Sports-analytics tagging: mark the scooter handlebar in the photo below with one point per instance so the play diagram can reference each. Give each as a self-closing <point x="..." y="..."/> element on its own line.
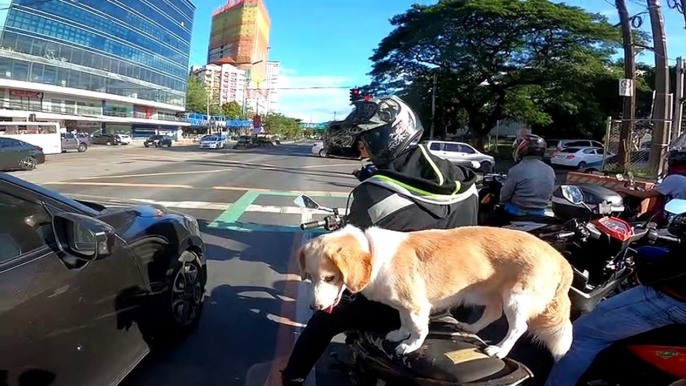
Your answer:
<point x="312" y="225"/>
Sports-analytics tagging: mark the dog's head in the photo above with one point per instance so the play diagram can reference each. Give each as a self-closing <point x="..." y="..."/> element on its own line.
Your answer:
<point x="335" y="262"/>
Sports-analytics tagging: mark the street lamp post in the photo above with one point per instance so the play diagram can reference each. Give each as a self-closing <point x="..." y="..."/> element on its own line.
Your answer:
<point x="247" y="81"/>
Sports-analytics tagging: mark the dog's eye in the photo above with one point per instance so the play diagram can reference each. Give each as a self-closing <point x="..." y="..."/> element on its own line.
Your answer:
<point x="329" y="279"/>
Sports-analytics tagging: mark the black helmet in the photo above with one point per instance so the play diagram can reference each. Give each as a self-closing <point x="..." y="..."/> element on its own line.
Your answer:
<point x="676" y="158"/>
<point x="528" y="145"/>
<point x="386" y="126"/>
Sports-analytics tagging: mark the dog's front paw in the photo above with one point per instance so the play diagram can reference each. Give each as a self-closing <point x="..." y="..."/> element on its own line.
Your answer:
<point x="494" y="351"/>
<point x="397" y="335"/>
<point x="408" y="346"/>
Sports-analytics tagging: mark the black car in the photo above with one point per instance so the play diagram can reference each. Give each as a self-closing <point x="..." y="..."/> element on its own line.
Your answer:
<point x="105" y="139"/>
<point x="19" y="155"/>
<point x="158" y="141"/>
<point x="86" y="291"/>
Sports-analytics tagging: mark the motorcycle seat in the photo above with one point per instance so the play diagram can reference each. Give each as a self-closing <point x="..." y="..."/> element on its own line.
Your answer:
<point x="442" y="360"/>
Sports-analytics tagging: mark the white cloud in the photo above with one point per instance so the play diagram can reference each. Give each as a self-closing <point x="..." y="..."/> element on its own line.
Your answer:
<point x="298" y="98"/>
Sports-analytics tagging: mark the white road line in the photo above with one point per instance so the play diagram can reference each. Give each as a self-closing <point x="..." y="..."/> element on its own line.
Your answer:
<point x="187" y="204"/>
<point x="155" y="174"/>
<point x="302" y="309"/>
<point x="287" y="210"/>
<point x="304" y="212"/>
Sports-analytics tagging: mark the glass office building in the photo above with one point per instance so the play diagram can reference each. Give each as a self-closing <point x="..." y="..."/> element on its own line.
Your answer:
<point x="132" y="53"/>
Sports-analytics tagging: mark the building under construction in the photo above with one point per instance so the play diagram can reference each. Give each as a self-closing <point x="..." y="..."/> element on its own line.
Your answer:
<point x="240" y="36"/>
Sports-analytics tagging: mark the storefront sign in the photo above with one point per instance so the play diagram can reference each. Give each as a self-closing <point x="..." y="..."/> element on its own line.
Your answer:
<point x="26" y="94"/>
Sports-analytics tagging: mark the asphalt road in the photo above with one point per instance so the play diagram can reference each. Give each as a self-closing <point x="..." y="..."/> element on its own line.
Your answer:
<point x="243" y="200"/>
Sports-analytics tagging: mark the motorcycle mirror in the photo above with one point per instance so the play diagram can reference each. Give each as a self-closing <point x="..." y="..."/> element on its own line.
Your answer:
<point x="572" y="194"/>
<point x="676" y="206"/>
<point x="305" y="201"/>
<point x="476" y="164"/>
<point x="631" y="176"/>
<point x="619" y="177"/>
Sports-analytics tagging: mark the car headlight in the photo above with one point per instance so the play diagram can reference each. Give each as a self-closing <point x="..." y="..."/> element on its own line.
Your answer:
<point x="193" y="226"/>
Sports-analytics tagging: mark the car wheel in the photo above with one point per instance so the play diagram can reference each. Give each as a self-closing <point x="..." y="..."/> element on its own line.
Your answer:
<point x="185" y="298"/>
<point x="82" y="147"/>
<point x="582" y="165"/>
<point x="146" y="145"/>
<point x="28" y="163"/>
<point x="486" y="167"/>
<point x="322" y="153"/>
<point x="169" y="144"/>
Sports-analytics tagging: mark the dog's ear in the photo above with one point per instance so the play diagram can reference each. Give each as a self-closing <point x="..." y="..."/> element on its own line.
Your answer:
<point x="301" y="262"/>
<point x="355" y="266"/>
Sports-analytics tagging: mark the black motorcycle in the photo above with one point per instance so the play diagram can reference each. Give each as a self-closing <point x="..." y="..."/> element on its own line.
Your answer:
<point x="600" y="254"/>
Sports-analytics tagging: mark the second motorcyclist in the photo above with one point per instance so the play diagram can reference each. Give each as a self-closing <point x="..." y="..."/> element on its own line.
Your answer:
<point x="529" y="185"/>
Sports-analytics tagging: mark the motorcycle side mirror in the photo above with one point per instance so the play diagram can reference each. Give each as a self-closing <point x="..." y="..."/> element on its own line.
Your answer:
<point x="619" y="177"/>
<point x="305" y="201"/>
<point x="676" y="206"/>
<point x="572" y="194"/>
<point x="476" y="164"/>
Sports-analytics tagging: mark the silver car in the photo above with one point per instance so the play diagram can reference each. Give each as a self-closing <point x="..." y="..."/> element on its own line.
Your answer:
<point x="461" y="153"/>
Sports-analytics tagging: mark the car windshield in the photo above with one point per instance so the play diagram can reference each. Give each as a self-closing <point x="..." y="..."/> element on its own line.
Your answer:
<point x="210" y="138"/>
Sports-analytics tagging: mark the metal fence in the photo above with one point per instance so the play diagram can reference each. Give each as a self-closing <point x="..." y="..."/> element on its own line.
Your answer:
<point x="640" y="143"/>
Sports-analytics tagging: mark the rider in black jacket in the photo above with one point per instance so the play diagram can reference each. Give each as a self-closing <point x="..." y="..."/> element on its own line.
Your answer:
<point x="409" y="190"/>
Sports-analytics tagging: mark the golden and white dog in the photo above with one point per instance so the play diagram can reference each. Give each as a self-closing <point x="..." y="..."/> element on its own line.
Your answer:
<point x="419" y="272"/>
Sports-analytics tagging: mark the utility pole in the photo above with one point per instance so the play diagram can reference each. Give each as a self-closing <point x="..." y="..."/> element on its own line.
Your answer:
<point x="658" y="152"/>
<point x="433" y="107"/>
<point x="678" y="99"/>
<point x="624" y="154"/>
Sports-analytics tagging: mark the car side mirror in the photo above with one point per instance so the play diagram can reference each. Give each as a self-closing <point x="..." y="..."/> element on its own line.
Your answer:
<point x="83" y="237"/>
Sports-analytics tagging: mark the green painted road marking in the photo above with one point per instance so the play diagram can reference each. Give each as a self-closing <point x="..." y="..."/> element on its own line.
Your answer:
<point x="228" y="220"/>
<point x="234" y="212"/>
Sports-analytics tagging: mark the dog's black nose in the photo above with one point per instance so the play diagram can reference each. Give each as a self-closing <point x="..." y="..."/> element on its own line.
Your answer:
<point x="315" y="308"/>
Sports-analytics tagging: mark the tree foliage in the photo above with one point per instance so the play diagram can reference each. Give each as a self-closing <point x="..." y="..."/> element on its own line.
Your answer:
<point x="282" y="125"/>
<point x="196" y="95"/>
<point x="232" y="110"/>
<point x="495" y="59"/>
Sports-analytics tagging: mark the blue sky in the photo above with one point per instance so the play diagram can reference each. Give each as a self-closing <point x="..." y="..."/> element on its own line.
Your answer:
<point x="328" y="43"/>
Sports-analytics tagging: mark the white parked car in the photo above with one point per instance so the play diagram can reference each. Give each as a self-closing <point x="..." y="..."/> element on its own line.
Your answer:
<point x="123" y="139"/>
<point x="461" y="153"/>
<point x="212" y="142"/>
<point x="555" y="145"/>
<point x="578" y="157"/>
<point x="318" y="149"/>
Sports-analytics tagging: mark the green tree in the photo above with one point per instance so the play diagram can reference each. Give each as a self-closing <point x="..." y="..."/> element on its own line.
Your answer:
<point x="232" y="110"/>
<point x="196" y="95"/>
<point x="282" y="125"/>
<point x="492" y="58"/>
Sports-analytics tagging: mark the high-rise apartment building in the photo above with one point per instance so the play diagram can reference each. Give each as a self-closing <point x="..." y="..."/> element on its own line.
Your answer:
<point x="240" y="33"/>
<point x="225" y="83"/>
<point x="122" y="65"/>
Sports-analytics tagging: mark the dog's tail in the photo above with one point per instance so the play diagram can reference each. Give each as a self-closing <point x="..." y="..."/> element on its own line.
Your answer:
<point x="552" y="327"/>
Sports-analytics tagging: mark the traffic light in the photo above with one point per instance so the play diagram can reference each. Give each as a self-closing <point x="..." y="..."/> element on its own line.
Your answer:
<point x="354" y="94"/>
